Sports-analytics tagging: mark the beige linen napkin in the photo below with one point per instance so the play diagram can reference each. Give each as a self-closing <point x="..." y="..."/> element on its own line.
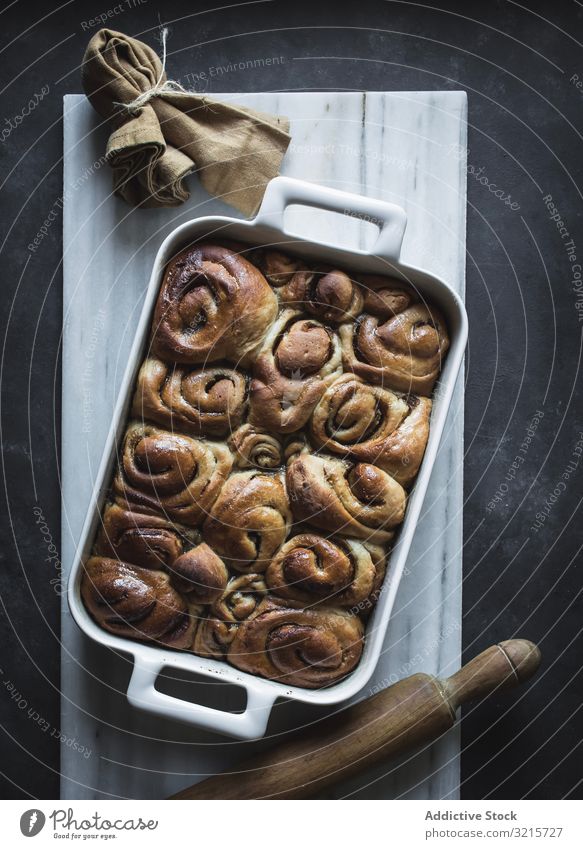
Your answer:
<point x="153" y="146"/>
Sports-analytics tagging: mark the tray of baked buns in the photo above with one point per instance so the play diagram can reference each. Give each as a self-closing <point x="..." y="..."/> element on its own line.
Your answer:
<point x="276" y="414"/>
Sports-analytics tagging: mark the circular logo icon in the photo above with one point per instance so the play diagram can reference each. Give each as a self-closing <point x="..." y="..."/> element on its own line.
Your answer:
<point x="32" y="822"/>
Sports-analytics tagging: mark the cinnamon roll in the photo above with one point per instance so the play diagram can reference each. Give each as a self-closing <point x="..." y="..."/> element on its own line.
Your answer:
<point x="358" y="501"/>
<point x="254" y="447"/>
<point x="278" y="268"/>
<point x="324" y="291"/>
<point x="241" y="597"/>
<point x="306" y="648"/>
<point x="398" y="341"/>
<point x="213" y="305"/>
<point x="371" y="424"/>
<point x="200" y="574"/>
<point x="299" y="357"/>
<point x="142" y="538"/>
<point x="213" y="637"/>
<point x="312" y="568"/>
<point x="207" y="402"/>
<point x="328" y="294"/>
<point x="138" y="603"/>
<point x="249" y="520"/>
<point x="238" y="603"/>
<point x="170" y="474"/>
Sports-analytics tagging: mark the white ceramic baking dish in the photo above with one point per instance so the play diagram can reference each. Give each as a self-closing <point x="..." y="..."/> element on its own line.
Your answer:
<point x="268" y="228"/>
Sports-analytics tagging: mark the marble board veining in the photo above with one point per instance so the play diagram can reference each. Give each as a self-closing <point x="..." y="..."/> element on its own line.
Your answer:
<point x="408" y="148"/>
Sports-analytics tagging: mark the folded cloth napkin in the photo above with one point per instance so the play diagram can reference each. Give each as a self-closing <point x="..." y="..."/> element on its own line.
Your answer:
<point x="161" y="133"/>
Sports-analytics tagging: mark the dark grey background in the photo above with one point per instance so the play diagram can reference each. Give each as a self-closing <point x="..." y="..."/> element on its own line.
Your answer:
<point x="517" y="64"/>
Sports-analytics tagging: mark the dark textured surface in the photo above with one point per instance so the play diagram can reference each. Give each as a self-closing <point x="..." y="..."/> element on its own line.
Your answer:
<point x="517" y="64"/>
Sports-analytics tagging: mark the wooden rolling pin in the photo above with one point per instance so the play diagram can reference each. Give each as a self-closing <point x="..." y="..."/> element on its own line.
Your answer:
<point x="412" y="712"/>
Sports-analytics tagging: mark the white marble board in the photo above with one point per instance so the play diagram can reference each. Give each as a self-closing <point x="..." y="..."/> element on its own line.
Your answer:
<point x="408" y="148"/>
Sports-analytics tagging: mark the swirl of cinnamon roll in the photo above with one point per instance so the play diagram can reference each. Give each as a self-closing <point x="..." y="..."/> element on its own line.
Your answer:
<point x="170" y="474"/>
<point x="238" y="603"/>
<point x="309" y="648"/>
<point x="208" y="402"/>
<point x="213" y="305"/>
<point x="249" y="520"/>
<point x="137" y="603"/>
<point x="256" y="448"/>
<point x="373" y="425"/>
<point x="312" y="568"/>
<point x="200" y="574"/>
<point x="242" y="596"/>
<point x="329" y="294"/>
<point x="213" y="637"/>
<point x="141" y="538"/>
<point x="398" y="341"/>
<point x="299" y="357"/>
<point x="358" y="501"/>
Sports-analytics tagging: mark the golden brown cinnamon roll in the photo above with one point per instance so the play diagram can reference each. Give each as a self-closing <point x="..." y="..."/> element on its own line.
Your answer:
<point x="249" y="520"/>
<point x="213" y="637"/>
<point x="170" y="474"/>
<point x="142" y="538"/>
<point x="213" y="305"/>
<point x="254" y="447"/>
<point x="386" y="296"/>
<point x="238" y="603"/>
<point x="312" y="568"/>
<point x="241" y="597"/>
<point x="200" y="574"/>
<point x="358" y="500"/>
<point x="137" y="603"/>
<point x="207" y="402"/>
<point x="297" y="360"/>
<point x="373" y="425"/>
<point x="278" y="268"/>
<point x="329" y="294"/>
<point x="325" y="292"/>
<point x="306" y="648"/>
<point x="398" y="341"/>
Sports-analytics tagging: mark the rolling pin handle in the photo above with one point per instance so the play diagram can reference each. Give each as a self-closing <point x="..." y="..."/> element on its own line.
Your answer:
<point x="504" y="665"/>
<point x="410" y="713"/>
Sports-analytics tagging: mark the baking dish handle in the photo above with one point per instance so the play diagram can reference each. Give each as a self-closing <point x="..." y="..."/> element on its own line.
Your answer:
<point x="249" y="725"/>
<point x="391" y="219"/>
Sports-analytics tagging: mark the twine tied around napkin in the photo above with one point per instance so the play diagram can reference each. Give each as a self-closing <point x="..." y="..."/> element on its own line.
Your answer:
<point x="161" y="132"/>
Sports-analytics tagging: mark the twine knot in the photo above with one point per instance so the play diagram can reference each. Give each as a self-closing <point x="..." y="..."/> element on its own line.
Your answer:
<point x="157" y="90"/>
